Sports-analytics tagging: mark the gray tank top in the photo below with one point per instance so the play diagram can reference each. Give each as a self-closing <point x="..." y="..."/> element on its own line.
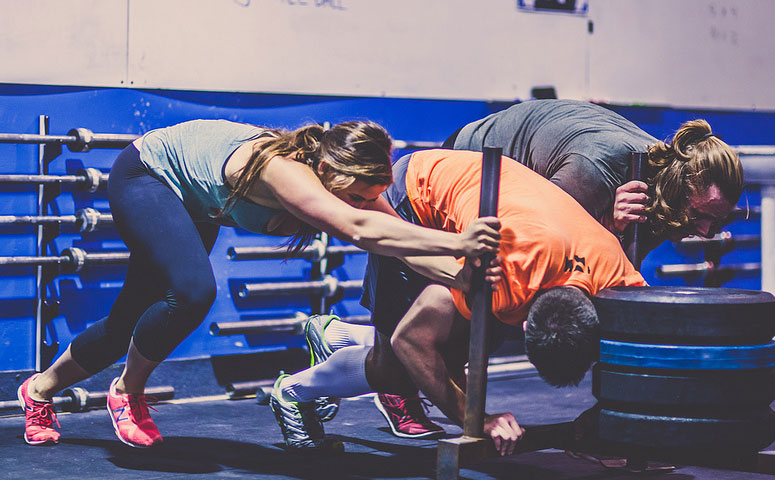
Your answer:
<point x="189" y="157"/>
<point x="583" y="148"/>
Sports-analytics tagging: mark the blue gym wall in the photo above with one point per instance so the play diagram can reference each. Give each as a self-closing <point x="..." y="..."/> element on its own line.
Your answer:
<point x="84" y="298"/>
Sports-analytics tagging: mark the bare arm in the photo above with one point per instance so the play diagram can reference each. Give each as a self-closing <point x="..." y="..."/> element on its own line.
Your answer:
<point x="430" y="324"/>
<point x="298" y="189"/>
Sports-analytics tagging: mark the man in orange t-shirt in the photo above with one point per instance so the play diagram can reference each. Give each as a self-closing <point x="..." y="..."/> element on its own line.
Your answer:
<point x="554" y="255"/>
<point x="547" y="239"/>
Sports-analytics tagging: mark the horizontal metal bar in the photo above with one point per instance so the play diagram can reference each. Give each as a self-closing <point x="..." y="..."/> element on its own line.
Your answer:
<point x="77" y="399"/>
<point x="410" y="145"/>
<point x="73" y="258"/>
<point x="681" y="270"/>
<point x="753" y="150"/>
<point x="34" y="138"/>
<point x="77" y="139"/>
<point x="83" y="139"/>
<point x="34" y="220"/>
<point x="247" y="327"/>
<point x="87" y="219"/>
<point x="750" y="213"/>
<point x="90" y="179"/>
<point x="344" y="249"/>
<point x="292" y="325"/>
<point x="242" y="389"/>
<point x="723" y="238"/>
<point x="325" y="287"/>
<point x="33" y="261"/>
<point x="41" y="179"/>
<point x="313" y="252"/>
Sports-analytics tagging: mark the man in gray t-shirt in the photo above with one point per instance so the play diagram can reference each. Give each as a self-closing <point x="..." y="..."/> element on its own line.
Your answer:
<point x="581" y="147"/>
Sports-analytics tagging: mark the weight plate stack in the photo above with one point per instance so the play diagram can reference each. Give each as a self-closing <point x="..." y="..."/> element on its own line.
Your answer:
<point x="686" y="370"/>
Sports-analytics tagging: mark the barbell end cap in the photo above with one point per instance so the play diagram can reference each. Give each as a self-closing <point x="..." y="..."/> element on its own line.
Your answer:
<point x="88" y="218"/>
<point x="77" y="258"/>
<point x="83" y="140"/>
<point x="93" y="178"/>
<point x="215" y="329"/>
<point x="79" y="397"/>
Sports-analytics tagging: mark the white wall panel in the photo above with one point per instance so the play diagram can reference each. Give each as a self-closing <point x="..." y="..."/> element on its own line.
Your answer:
<point x="405" y="48"/>
<point x="692" y="53"/>
<point x="63" y="42"/>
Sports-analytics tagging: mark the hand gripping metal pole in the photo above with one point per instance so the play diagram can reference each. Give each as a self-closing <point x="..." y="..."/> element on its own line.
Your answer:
<point x="472" y="444"/>
<point x="632" y="233"/>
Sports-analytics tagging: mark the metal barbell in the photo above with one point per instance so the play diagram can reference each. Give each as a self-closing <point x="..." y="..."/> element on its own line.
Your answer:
<point x="89" y="179"/>
<point x="72" y="258"/>
<point x="325" y="287"/>
<point x="77" y="139"/>
<point x="682" y="270"/>
<point x="87" y="219"/>
<point x="292" y="325"/>
<point x="78" y="399"/>
<point x="314" y="252"/>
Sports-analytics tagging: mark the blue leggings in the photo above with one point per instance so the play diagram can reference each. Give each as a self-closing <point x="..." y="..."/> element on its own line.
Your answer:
<point x="169" y="286"/>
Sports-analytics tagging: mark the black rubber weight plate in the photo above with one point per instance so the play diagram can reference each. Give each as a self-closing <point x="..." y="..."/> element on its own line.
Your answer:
<point x="753" y="431"/>
<point x="733" y="389"/>
<point x="721" y="315"/>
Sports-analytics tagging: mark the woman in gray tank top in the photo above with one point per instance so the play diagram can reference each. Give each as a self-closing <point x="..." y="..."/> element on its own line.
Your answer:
<point x="169" y="193"/>
<point x="689" y="185"/>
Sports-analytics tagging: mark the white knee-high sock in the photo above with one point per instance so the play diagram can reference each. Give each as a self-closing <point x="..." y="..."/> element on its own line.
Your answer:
<point x="342" y="375"/>
<point x="340" y="334"/>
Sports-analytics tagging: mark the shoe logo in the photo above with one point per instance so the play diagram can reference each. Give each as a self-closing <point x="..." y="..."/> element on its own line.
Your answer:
<point x="119" y="412"/>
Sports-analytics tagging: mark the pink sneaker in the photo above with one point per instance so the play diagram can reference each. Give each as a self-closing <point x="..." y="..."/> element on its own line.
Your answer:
<point x="131" y="420"/>
<point x="406" y="416"/>
<point x="38" y="418"/>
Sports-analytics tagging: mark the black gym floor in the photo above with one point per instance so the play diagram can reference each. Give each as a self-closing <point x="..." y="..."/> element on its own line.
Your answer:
<point x="213" y="437"/>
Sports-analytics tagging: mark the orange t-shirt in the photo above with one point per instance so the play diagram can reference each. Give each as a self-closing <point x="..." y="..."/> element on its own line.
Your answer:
<point x="547" y="238"/>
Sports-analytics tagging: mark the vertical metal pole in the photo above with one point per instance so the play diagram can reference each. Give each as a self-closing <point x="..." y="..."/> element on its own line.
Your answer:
<point x="476" y="390"/>
<point x="632" y="233"/>
<point x="40" y="250"/>
<point x="322" y="267"/>
<point x="470" y="446"/>
<point x="768" y="237"/>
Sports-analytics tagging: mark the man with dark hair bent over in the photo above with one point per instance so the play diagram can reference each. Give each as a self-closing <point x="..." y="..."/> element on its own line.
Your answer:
<point x="554" y="255"/>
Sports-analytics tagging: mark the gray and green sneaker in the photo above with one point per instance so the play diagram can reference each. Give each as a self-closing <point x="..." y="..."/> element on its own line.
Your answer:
<point x="319" y="351"/>
<point x="314" y="332"/>
<point x="298" y="421"/>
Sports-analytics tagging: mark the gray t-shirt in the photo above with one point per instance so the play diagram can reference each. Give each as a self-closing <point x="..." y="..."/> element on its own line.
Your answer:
<point x="583" y="148"/>
<point x="189" y="157"/>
